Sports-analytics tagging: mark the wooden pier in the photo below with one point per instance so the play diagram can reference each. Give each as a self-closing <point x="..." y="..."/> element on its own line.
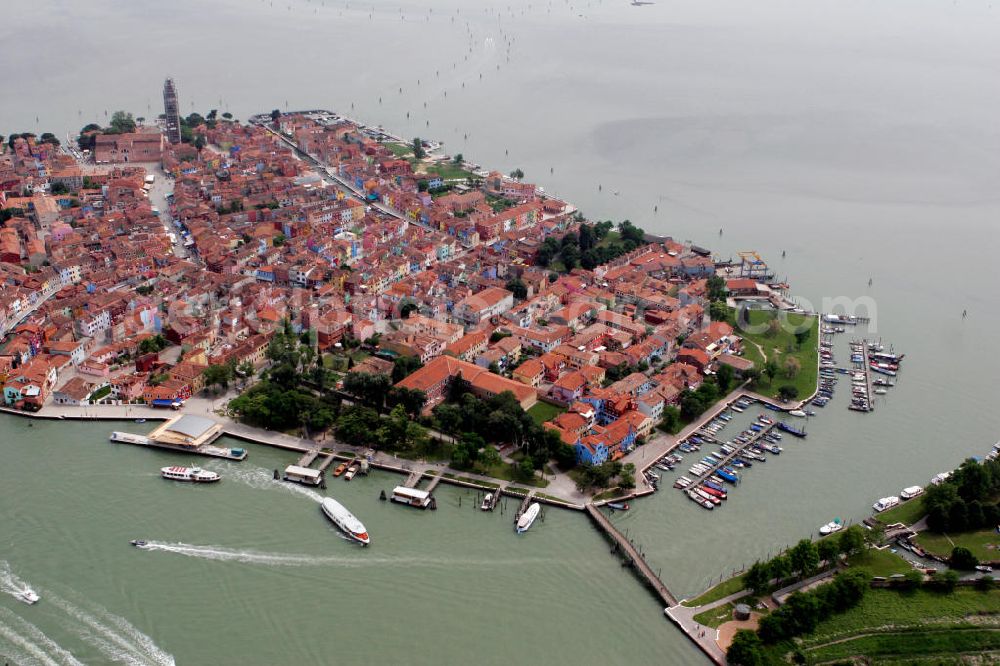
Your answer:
<point x="633" y="555"/>
<point x="327" y="461"/>
<point x="307" y="459"/>
<point x="433" y="484"/>
<point x="739" y="448"/>
<point x="525" y="503"/>
<point x="413" y="479"/>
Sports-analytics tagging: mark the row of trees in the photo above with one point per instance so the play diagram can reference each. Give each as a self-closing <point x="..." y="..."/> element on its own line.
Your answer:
<point x="803" y="559"/>
<point x="46" y="137"/>
<point x="601" y="476"/>
<point x="966" y="500"/>
<point x="397" y="432"/>
<point x="584" y="248"/>
<point x="500" y="419"/>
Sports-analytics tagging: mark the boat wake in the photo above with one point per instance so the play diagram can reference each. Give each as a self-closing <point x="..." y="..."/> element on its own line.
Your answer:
<point x="263" y="479"/>
<point x="25" y="643"/>
<point x="223" y="554"/>
<point x="116" y="638"/>
<point x="9" y="582"/>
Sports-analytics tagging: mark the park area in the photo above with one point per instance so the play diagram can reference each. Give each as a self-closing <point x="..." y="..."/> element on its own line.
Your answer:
<point x="786" y="343"/>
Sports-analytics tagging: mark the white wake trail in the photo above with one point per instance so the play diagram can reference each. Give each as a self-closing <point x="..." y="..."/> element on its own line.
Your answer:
<point x="31" y="643"/>
<point x="263" y="479"/>
<point x="10" y="583"/>
<point x="113" y="635"/>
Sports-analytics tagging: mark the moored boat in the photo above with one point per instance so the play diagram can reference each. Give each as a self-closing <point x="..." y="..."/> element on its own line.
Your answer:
<point x="885" y="503"/>
<point x="833" y="526"/>
<point x="487" y="502"/>
<point x="527" y="518"/>
<point x="619" y="506"/>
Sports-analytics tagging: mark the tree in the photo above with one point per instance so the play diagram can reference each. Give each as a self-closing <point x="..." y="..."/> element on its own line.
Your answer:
<point x="403" y="367"/>
<point x="724" y="376"/>
<point x="59" y="188"/>
<point x="517" y="174"/>
<point x="279" y="240"/>
<point x="671" y="419"/>
<point x="758" y="577"/>
<point x="962" y="558"/>
<point x="717" y="290"/>
<point x="792" y="366"/>
<point x="218" y="375"/>
<point x="489" y="456"/>
<point x="227" y="115"/>
<point x="828" y="549"/>
<point x="852" y="540"/>
<point x="199" y="142"/>
<point x="946" y="581"/>
<point x="770" y="369"/>
<point x="804" y="557"/>
<point x="773" y="328"/>
<point x="458" y="159"/>
<point x="985" y="583"/>
<point x="275" y="114"/>
<point x="518" y="288"/>
<point x="418" y="148"/>
<point x="122" y="122"/>
<point x="586" y="237"/>
<point x="802" y="336"/>
<point x="788" y="392"/>
<point x="746" y="649"/>
<point x="911" y="580"/>
<point x="780" y="567"/>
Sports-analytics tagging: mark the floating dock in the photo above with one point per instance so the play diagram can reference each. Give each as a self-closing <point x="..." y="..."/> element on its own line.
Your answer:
<point x="203" y="450"/>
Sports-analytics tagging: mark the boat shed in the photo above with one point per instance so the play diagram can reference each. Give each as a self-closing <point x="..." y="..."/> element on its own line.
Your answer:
<point x="187" y="430"/>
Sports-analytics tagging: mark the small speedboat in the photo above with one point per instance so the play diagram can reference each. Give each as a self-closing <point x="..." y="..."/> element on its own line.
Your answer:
<point x="138" y="543"/>
<point x="797" y="412"/>
<point x="834" y="526"/>
<point x="140" y="420"/>
<point x="487" y="502"/>
<point x="619" y="506"/>
<point x="28" y="596"/>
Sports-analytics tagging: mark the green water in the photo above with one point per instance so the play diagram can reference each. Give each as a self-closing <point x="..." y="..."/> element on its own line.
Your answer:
<point x="249" y="571"/>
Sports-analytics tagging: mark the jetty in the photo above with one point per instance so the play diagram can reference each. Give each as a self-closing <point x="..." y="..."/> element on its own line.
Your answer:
<point x="327" y="461"/>
<point x="525" y="503"/>
<point x="632" y="554"/>
<point x="308" y="458"/>
<point x="413" y="479"/>
<point x="739" y="448"/>
<point x="435" y="480"/>
<point x="203" y="450"/>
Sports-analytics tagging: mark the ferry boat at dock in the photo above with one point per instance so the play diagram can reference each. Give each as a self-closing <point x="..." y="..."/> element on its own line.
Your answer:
<point x="191" y="474"/>
<point x="527" y="518"/>
<point x="411" y="497"/>
<point x="345" y="520"/>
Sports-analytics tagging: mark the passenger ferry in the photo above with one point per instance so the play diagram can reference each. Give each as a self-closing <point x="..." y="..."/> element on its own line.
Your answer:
<point x="911" y="492"/>
<point x="411" y="497"/>
<point x="527" y="518"/>
<point x="345" y="520"/>
<point x="192" y="474"/>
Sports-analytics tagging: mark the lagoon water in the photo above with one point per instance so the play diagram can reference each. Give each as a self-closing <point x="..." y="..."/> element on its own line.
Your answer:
<point x="859" y="138"/>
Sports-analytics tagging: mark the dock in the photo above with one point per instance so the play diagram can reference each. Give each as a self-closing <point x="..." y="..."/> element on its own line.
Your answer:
<point x="435" y="480"/>
<point x="739" y="448"/>
<point x="308" y="459"/>
<point x="327" y="461"/>
<point x="633" y="555"/>
<point x="413" y="479"/>
<point x="203" y="450"/>
<point x="525" y="503"/>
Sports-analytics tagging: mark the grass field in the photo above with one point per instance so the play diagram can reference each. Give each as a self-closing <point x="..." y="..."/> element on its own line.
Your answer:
<point x="923" y="644"/>
<point x="543" y="411"/>
<point x="880" y="562"/>
<point x="723" y="589"/>
<point x="448" y="171"/>
<point x="713" y="617"/>
<point x="907" y="512"/>
<point x="399" y="149"/>
<point x="984" y="544"/>
<point x="883" y="609"/>
<point x="780" y="346"/>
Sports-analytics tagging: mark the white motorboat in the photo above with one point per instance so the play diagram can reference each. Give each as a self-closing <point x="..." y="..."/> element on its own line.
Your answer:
<point x="834" y="526"/>
<point x="192" y="474"/>
<point x="527" y="518"/>
<point x="911" y="492"/>
<point x="27" y="595"/>
<point x="345" y="520"/>
<point x="487" y="502"/>
<point x="797" y="412"/>
<point x="885" y="503"/>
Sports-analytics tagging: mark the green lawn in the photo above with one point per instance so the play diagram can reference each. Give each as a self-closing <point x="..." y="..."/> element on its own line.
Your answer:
<point x="612" y="237"/>
<point x="984" y="544"/>
<point x="448" y="171"/>
<point x="504" y="471"/>
<point x="723" y="589"/>
<point x="399" y="149"/>
<point x="907" y="512"/>
<point x="543" y="411"/>
<point x="921" y="643"/>
<point x="713" y="617"/>
<point x="880" y="562"/>
<point x="780" y="346"/>
<point x="883" y="609"/>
